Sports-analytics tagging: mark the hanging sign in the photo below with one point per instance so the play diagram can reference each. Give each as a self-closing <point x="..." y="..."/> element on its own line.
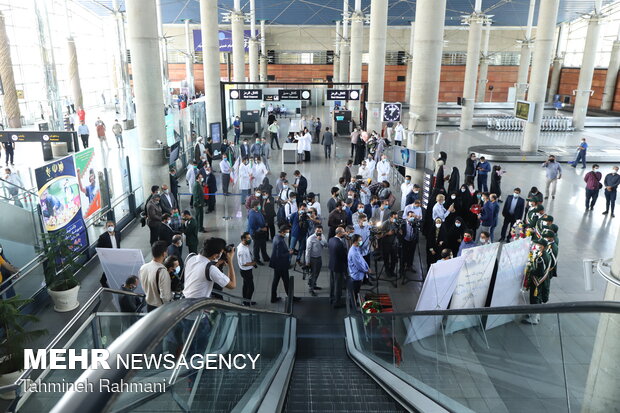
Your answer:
<point x="245" y="94"/>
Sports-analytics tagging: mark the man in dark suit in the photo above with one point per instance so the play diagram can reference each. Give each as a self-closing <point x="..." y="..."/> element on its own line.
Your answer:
<point x="245" y="149"/>
<point x="191" y="232"/>
<point x="212" y="184"/>
<point x="109" y="239"/>
<point x="337" y="267"/>
<point x="513" y="211"/>
<point x="301" y="186"/>
<point x="174" y="185"/>
<point x="167" y="201"/>
<point x="165" y="232"/>
<point x="346" y="173"/>
<point x="280" y="261"/>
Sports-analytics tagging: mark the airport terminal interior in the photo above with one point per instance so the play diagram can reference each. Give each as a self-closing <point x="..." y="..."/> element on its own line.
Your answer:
<point x="335" y="205"/>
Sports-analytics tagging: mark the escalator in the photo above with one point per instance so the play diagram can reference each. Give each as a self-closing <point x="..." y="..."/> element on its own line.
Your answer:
<point x="315" y="359"/>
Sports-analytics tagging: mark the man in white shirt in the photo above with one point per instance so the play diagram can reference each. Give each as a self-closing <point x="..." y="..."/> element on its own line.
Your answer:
<point x="313" y="203"/>
<point x="400" y="134"/>
<point x="155" y="279"/>
<point x="225" y="169"/>
<point x="415" y="207"/>
<point x="405" y="188"/>
<point x="439" y="211"/>
<point x="291" y="206"/>
<point x="259" y="171"/>
<point x="245" y="180"/>
<point x="246" y="263"/>
<point x="371" y="164"/>
<point x="383" y="169"/>
<point x="285" y="193"/>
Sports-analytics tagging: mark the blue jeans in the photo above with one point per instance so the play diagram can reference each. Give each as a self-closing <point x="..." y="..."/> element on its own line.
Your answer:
<point x="482" y="183"/>
<point x="302" y="245"/>
<point x="581" y="156"/>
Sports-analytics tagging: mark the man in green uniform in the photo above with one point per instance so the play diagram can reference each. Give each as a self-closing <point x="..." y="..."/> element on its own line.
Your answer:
<point x="538" y="272"/>
<point x="532" y="216"/>
<point x="546" y="223"/>
<point x="552" y="249"/>
<point x="199" y="202"/>
<point x="190" y="229"/>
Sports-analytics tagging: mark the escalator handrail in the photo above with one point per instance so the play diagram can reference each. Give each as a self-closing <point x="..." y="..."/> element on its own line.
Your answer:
<point x="555" y="308"/>
<point x="142" y="337"/>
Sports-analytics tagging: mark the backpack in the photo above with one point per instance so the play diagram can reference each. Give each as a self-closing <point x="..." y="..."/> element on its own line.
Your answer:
<point x="281" y="216"/>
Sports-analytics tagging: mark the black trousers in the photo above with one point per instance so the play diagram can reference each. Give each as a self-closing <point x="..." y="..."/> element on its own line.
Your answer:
<point x="248" y="284"/>
<point x="508" y="223"/>
<point x="336" y="282"/>
<point x="277" y="276"/>
<point x="409" y="252"/>
<point x="328" y="151"/>
<point x="353" y="289"/>
<point x="153" y="228"/>
<point x="306" y="156"/>
<point x="591" y="196"/>
<point x="352" y="149"/>
<point x="260" y="245"/>
<point x="610" y="200"/>
<point x="274" y="138"/>
<point x="315" y="269"/>
<point x="272" y="227"/>
<point x="10" y="152"/>
<point x="389" y="254"/>
<point x="84" y="140"/>
<point x="225" y="182"/>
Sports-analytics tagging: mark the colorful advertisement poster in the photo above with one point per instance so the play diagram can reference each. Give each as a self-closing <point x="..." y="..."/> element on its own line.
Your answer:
<point x="59" y="196"/>
<point x="88" y="184"/>
<point x="225" y="38"/>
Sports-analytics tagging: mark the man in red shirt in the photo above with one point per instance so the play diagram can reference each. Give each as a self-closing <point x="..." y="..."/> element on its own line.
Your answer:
<point x="593" y="186"/>
<point x="81" y="114"/>
<point x="101" y="133"/>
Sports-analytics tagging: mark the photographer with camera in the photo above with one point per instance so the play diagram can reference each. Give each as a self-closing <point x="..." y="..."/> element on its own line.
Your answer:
<point x="299" y="230"/>
<point x="202" y="270"/>
<point x="411" y="234"/>
<point x="387" y="242"/>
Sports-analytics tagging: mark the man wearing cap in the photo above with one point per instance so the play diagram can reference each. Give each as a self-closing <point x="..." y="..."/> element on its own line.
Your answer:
<point x="552" y="249"/>
<point x="538" y="270"/>
<point x="533" y="214"/>
<point x="545" y="222"/>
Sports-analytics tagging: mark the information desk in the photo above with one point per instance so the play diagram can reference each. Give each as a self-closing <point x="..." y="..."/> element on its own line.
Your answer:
<point x="289" y="153"/>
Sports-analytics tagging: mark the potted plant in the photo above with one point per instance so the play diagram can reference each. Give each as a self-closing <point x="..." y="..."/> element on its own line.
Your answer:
<point x="14" y="339"/>
<point x="60" y="266"/>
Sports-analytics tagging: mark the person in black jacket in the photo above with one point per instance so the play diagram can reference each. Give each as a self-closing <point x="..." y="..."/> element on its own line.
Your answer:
<point x="435" y="242"/>
<point x="301" y="186"/>
<point x="109" y="239"/>
<point x="130" y="303"/>
<point x="338" y="261"/>
<point x="176" y="249"/>
<point x="280" y="261"/>
<point x="212" y="184"/>
<point x="268" y="209"/>
<point x="470" y="169"/>
<point x="164" y="231"/>
<point x="174" y="185"/>
<point x="512" y="211"/>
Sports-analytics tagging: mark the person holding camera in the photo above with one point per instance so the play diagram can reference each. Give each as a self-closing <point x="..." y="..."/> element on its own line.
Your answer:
<point x="299" y="230"/>
<point x="410" y="239"/>
<point x="246" y="263"/>
<point x="314" y="251"/>
<point x="387" y="242"/>
<point x="257" y="227"/>
<point x="202" y="272"/>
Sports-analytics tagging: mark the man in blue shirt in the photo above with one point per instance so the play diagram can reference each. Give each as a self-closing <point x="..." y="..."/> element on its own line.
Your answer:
<point x="362" y="228"/>
<point x="488" y="217"/>
<point x="358" y="268"/>
<point x="237" y="127"/>
<point x="299" y="229"/>
<point x="483" y="167"/>
<point x="581" y="154"/>
<point x="468" y="241"/>
<point x="553" y="172"/>
<point x="259" y="231"/>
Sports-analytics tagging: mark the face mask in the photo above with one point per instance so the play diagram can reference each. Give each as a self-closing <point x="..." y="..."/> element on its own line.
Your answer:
<point x="407" y="181"/>
<point x="441" y="202"/>
<point x="453" y="196"/>
<point x="111" y="228"/>
<point x="385" y="207"/>
<point x="614" y="172"/>
<point x="384" y="160"/>
<point x="360" y="210"/>
<point x="302" y="212"/>
<point x="176" y="215"/>
<point x="257" y="194"/>
<point x="247" y="241"/>
<point x="168" y="222"/>
<point x="177" y="270"/>
<point x="0" y="250"/>
<point x="318" y="234"/>
<point x="293" y="200"/>
<point x="458" y="224"/>
<point x="483" y="241"/>
<point x="437" y="225"/>
<point x="258" y="208"/>
<point x="224" y="159"/>
<point x="359" y="243"/>
<point x="411" y="219"/>
<point x="479" y="196"/>
<point x="284" y="186"/>
<point x="166" y="191"/>
<point x="363" y="224"/>
<point x="595" y="169"/>
<point x="532" y="204"/>
<point x="551" y="160"/>
<point x="257" y="141"/>
<point x="286" y="235"/>
<point x="467" y="239"/>
<point x="265" y="196"/>
<point x="516" y="194"/>
<point x="463" y="189"/>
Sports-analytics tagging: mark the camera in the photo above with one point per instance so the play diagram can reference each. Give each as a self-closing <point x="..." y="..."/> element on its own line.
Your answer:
<point x="229" y="248"/>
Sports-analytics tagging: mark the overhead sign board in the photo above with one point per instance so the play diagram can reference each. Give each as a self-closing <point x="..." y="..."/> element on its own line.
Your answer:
<point x="391" y="111"/>
<point x="294" y="94"/>
<point x="36" y="136"/>
<point x="245" y="94"/>
<point x="271" y="98"/>
<point x="343" y="94"/>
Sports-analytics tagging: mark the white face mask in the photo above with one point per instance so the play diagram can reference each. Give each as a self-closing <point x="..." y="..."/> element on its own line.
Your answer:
<point x="453" y="196"/>
<point x="438" y="225"/>
<point x="458" y="224"/>
<point x="516" y="194"/>
<point x="484" y="241"/>
<point x="286" y="235"/>
<point x="111" y="228"/>
<point x="257" y="194"/>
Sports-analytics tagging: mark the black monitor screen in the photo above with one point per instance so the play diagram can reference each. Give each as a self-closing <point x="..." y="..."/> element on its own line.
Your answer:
<point x="174" y="153"/>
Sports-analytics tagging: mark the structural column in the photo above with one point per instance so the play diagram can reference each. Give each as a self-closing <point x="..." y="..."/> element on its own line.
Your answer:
<point x="586" y="72"/>
<point x="253" y="52"/>
<point x="427" y="52"/>
<point x="357" y="35"/>
<point x="211" y="60"/>
<point x="163" y="52"/>
<point x="526" y="54"/>
<point x="376" y="63"/>
<point x="612" y="76"/>
<point x="263" y="53"/>
<point x="189" y="59"/>
<point x="144" y="45"/>
<point x="10" y="102"/>
<point x="543" y="49"/>
<point x="49" y="66"/>
<point x="237" y="43"/>
<point x="409" y="65"/>
<point x="471" y="69"/>
<point x="336" y="64"/>
<point x="124" y="87"/>
<point x="344" y="45"/>
<point x="483" y="77"/>
<point x="558" y="61"/>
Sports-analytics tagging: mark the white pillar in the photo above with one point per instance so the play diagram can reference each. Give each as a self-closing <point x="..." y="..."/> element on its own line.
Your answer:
<point x="253" y="52"/>
<point x="355" y="71"/>
<point x="189" y="59"/>
<point x="74" y="74"/>
<point x="344" y="45"/>
<point x="558" y="61"/>
<point x="471" y="68"/>
<point x="237" y="43"/>
<point x="263" y="53"/>
<point x="427" y="53"/>
<point x="543" y="50"/>
<point x="122" y="66"/>
<point x="144" y="45"/>
<point x="376" y="62"/>
<point x="211" y="59"/>
<point x="9" y="98"/>
<point x="612" y="77"/>
<point x="163" y="52"/>
<point x="586" y="72"/>
<point x="336" y="73"/>
<point x="483" y="77"/>
<point x="409" y="65"/>
<point x="526" y="55"/>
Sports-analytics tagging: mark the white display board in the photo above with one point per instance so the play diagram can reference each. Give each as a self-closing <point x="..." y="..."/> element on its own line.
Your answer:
<point x="509" y="279"/>
<point x="119" y="263"/>
<point x="436" y="293"/>
<point x="473" y="284"/>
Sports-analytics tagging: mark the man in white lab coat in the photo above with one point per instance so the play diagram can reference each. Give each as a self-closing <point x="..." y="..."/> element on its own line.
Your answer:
<point x="383" y="169"/>
<point x="405" y="188"/>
